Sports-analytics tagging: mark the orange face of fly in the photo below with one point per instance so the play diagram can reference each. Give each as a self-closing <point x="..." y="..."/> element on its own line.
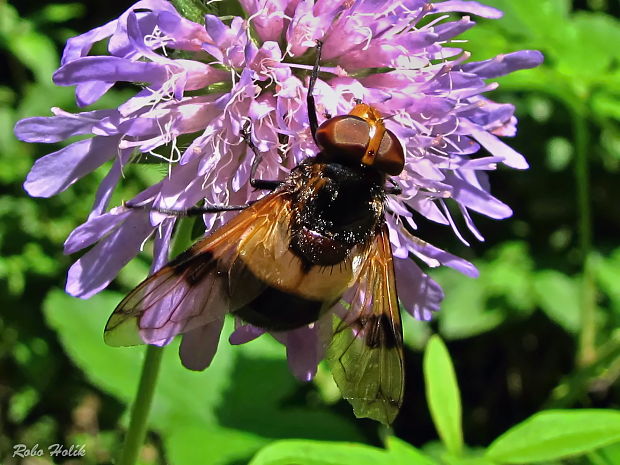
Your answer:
<point x="361" y="137"/>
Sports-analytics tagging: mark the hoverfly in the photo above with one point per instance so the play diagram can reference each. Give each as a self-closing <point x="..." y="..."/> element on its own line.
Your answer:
<point x="288" y="258"/>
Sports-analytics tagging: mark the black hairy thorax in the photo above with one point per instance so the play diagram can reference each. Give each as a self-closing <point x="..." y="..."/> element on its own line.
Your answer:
<point x="336" y="207"/>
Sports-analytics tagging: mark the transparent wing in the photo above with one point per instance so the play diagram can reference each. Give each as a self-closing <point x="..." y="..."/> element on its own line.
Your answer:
<point x="203" y="283"/>
<point x="366" y="352"/>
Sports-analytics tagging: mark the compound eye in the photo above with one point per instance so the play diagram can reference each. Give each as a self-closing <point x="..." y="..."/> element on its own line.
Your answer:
<point x="344" y="137"/>
<point x="390" y="157"/>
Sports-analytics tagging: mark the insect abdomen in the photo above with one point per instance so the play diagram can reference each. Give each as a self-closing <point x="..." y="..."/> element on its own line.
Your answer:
<point x="277" y="310"/>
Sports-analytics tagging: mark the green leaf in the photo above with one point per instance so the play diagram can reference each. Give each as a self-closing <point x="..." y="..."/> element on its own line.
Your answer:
<point x="508" y="274"/>
<point x="21" y="404"/>
<point x="555" y="434"/>
<point x="548" y="25"/>
<point x="211" y="446"/>
<point x="463" y="311"/>
<point x="468" y="456"/>
<point x="610" y="454"/>
<point x="598" y="35"/>
<point x="442" y="393"/>
<point x="60" y="12"/>
<point x="416" y="332"/>
<point x="402" y="452"/>
<point x="606" y="105"/>
<point x="292" y="451"/>
<point x="299" y="452"/>
<point x="474" y="306"/>
<point x="33" y="49"/>
<point x="37" y="97"/>
<point x="607" y="270"/>
<point x="558" y="296"/>
<point x="194" y="10"/>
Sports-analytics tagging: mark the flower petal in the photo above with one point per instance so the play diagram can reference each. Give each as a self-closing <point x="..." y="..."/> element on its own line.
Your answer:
<point x="55" y="172"/>
<point x="186" y="34"/>
<point x="49" y="129"/>
<point x="199" y="345"/>
<point x="108" y="70"/>
<point x="94" y="229"/>
<point x="108" y="184"/>
<point x="161" y="248"/>
<point x="463" y="6"/>
<point x="87" y="93"/>
<point x="490" y="142"/>
<point x="419" y="293"/>
<point x="504" y="64"/>
<point x="305" y="348"/>
<point x="98" y="267"/>
<point x="245" y="333"/>
<point x="434" y="256"/>
<point x="477" y="199"/>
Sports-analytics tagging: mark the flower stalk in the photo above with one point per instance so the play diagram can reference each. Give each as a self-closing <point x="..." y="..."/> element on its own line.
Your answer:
<point x="141" y="406"/>
<point x="150" y="370"/>
<point x="587" y="337"/>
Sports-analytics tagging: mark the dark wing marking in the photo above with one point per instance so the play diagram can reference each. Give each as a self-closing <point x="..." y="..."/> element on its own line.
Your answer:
<point x="203" y="283"/>
<point x="366" y="352"/>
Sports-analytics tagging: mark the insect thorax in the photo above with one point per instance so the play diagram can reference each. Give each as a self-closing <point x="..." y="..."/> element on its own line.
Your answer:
<point x="336" y="207"/>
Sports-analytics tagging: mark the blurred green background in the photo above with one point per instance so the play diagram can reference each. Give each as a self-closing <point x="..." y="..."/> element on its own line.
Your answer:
<point x="537" y="331"/>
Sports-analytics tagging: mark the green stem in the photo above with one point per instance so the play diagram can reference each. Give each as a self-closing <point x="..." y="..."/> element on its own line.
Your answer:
<point x="150" y="371"/>
<point x="575" y="386"/>
<point x="582" y="178"/>
<point x="587" y="336"/>
<point x="141" y="406"/>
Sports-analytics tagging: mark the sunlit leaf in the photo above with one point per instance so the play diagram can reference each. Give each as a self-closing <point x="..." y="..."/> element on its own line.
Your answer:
<point x="442" y="394"/>
<point x="610" y="455"/>
<point x="298" y="452"/>
<point x="607" y="270"/>
<point x="33" y="49"/>
<point x="547" y="24"/>
<point x="468" y="456"/>
<point x="21" y="404"/>
<point x="556" y="434"/>
<point x="508" y="273"/>
<point x="598" y="35"/>
<point x="403" y="453"/>
<point x="60" y="12"/>
<point x="559" y="297"/>
<point x="475" y="306"/>
<point x="463" y="311"/>
<point x="211" y="445"/>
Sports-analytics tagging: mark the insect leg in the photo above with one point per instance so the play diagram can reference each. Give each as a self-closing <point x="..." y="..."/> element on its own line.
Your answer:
<point x="193" y="211"/>
<point x="394" y="189"/>
<point x="314" y="122"/>
<point x="256" y="183"/>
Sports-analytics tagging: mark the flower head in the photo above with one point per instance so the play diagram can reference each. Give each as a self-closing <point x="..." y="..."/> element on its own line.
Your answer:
<point x="208" y="81"/>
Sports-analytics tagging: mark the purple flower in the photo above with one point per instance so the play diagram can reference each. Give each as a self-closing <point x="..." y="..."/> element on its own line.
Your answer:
<point x="256" y="71"/>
